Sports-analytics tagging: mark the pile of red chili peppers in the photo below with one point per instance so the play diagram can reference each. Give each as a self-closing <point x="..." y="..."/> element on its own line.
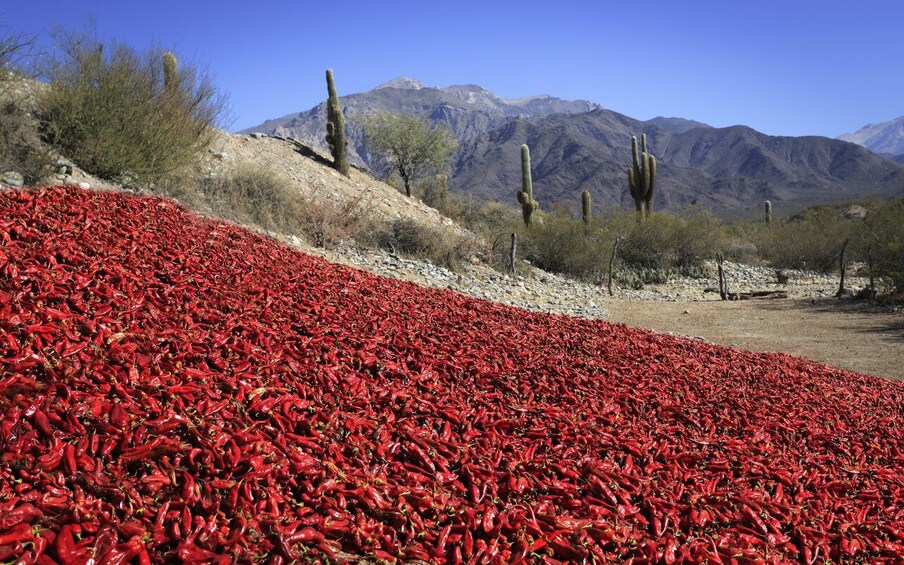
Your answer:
<point x="178" y="389"/>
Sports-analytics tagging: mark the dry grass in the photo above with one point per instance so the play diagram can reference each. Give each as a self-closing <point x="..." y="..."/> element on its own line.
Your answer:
<point x="441" y="247"/>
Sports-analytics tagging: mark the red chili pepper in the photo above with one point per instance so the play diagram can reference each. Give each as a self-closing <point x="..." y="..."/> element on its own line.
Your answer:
<point x="170" y="376"/>
<point x="21" y="514"/>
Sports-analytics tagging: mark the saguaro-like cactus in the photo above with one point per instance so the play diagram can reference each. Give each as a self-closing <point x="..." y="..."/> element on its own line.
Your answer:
<point x="335" y="127"/>
<point x="526" y="194"/>
<point x="768" y="212"/>
<point x="586" y="212"/>
<point x="642" y="176"/>
<point x="170" y="71"/>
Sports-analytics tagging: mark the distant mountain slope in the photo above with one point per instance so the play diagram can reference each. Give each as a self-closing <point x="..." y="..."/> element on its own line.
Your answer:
<point x="885" y="137"/>
<point x="722" y="168"/>
<point x="470" y="111"/>
<point x="678" y="125"/>
<point x="577" y="145"/>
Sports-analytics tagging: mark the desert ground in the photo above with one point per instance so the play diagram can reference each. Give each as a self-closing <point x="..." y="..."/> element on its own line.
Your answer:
<point x="846" y="335"/>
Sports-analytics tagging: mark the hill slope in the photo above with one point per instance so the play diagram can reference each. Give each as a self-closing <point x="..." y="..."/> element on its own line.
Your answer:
<point x="174" y="388"/>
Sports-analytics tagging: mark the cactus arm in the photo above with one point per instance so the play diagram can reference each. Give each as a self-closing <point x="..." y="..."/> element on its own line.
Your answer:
<point x="648" y="197"/>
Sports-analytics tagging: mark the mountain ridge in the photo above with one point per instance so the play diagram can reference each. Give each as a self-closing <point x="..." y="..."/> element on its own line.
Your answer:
<point x="579" y="145"/>
<point x="884" y="137"/>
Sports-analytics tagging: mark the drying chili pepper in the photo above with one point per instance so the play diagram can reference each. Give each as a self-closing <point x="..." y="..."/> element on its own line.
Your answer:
<point x="185" y="389"/>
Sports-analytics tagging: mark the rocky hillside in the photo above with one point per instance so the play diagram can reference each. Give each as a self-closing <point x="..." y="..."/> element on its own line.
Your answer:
<point x="885" y="137"/>
<point x="579" y="146"/>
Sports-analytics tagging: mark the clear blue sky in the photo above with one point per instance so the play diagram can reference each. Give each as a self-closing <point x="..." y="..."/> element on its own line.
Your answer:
<point x="788" y="67"/>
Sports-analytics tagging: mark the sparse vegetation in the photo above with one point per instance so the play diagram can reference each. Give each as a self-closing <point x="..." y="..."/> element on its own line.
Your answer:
<point x="408" y="145"/>
<point x="109" y="109"/>
<point x="410" y="238"/>
<point x="881" y="244"/>
<point x="809" y="240"/>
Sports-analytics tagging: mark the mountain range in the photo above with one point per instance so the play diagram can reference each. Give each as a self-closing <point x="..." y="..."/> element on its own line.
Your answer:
<point x="884" y="138"/>
<point x="578" y="145"/>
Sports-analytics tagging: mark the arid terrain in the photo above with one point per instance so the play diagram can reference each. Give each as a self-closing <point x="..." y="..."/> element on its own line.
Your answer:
<point x="842" y="334"/>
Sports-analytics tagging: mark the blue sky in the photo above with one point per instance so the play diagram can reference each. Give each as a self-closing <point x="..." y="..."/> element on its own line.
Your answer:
<point x="790" y="67"/>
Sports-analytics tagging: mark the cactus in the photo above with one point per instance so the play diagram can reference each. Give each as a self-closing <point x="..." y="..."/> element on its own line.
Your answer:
<point x="335" y="127"/>
<point x="768" y="212"/>
<point x="642" y="176"/>
<point x="526" y="194"/>
<point x="586" y="212"/>
<point x="170" y="71"/>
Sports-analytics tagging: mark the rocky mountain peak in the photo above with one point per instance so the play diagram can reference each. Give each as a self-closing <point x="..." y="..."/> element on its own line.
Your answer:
<point x="883" y="137"/>
<point x="402" y="83"/>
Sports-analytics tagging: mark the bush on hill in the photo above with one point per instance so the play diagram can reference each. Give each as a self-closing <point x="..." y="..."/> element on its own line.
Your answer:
<point x="113" y="110"/>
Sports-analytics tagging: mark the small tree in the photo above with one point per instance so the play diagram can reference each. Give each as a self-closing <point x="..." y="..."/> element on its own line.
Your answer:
<point x="408" y="145"/>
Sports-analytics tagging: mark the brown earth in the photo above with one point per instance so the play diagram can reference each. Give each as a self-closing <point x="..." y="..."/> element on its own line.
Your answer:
<point x="841" y="334"/>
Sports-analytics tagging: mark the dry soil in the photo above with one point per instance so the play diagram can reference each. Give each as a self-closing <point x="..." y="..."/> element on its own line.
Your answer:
<point x="841" y="334"/>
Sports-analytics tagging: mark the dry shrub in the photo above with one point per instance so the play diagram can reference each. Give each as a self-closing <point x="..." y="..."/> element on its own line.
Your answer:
<point x="110" y="110"/>
<point x="810" y="240"/>
<point x="441" y="247"/>
<point x="254" y="196"/>
<point x="328" y="224"/>
<point x="882" y="242"/>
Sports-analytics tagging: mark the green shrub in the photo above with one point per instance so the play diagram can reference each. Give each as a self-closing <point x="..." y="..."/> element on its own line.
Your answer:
<point x="108" y="109"/>
<point x="810" y="240"/>
<point x="662" y="245"/>
<point x="559" y="243"/>
<point x="696" y="237"/>
<point x="882" y="241"/>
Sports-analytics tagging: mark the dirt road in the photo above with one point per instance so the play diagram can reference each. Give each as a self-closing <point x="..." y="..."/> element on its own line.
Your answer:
<point x="844" y="335"/>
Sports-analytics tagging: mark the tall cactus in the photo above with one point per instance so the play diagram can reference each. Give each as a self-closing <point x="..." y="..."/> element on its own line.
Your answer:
<point x="526" y="194"/>
<point x="586" y="212"/>
<point x="170" y="71"/>
<point x="768" y="212"/>
<point x="642" y="176"/>
<point x="335" y="127"/>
